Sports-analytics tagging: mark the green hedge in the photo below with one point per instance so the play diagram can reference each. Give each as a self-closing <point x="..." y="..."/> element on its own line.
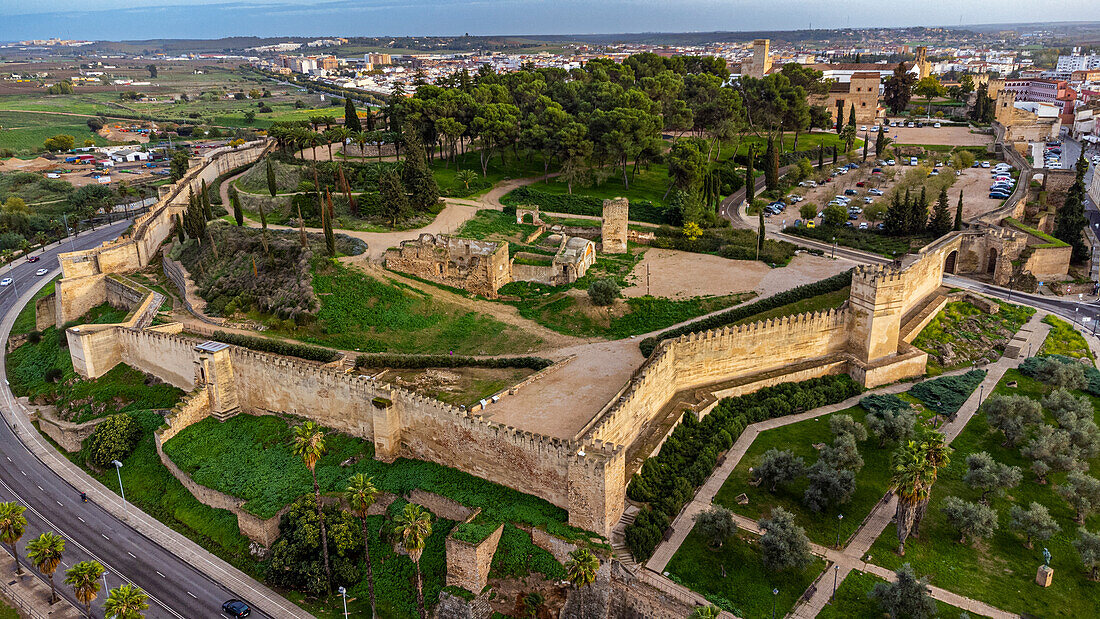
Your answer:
<point x="945" y="395"/>
<point x="279" y="347"/>
<point x="798" y="293"/>
<point x="448" y="361"/>
<point x="872" y="241"/>
<point x="1092" y="375"/>
<point x="668" y="480"/>
<point x="735" y="244"/>
<point x="640" y="210"/>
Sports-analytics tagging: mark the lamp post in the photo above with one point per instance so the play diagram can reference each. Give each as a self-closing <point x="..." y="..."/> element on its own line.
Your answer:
<point x="344" y="594"/>
<point x="836" y="571"/>
<point x="834" y="247"/>
<point x="839" y="518"/>
<point x="981" y="392"/>
<point x="118" y="469"/>
<point x="775" y="593"/>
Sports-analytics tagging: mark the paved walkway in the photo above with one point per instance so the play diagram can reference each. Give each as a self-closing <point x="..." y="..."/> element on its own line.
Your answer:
<point x="851" y="556"/>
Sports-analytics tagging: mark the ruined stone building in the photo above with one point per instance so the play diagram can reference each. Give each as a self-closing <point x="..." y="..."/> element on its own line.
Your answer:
<point x="570" y="263"/>
<point x="480" y="267"/>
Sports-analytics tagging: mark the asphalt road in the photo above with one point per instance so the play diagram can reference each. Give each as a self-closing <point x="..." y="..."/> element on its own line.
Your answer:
<point x="176" y="589"/>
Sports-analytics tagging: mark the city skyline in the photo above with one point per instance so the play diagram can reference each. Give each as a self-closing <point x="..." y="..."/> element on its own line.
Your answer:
<point x="115" y="20"/>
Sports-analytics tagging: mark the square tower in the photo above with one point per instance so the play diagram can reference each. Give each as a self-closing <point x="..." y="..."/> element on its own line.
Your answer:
<point x="761" y="58"/>
<point x="613" y="230"/>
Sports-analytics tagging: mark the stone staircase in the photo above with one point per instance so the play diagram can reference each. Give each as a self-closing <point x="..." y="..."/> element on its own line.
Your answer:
<point x="919" y="317"/>
<point x="618" y="539"/>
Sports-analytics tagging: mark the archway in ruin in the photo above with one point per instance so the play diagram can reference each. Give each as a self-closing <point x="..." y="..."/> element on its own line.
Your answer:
<point x="991" y="266"/>
<point x="949" y="264"/>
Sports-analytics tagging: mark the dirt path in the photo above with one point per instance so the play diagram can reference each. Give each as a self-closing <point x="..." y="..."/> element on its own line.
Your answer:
<point x="508" y="314"/>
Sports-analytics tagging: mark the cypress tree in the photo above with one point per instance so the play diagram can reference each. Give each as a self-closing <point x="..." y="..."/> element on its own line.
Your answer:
<point x="326" y="223"/>
<point x="750" y="178"/>
<point x="235" y="202"/>
<point x="880" y="142"/>
<point x="852" y="116"/>
<point x="839" y="116"/>
<point x="866" y="145"/>
<point x="940" y="224"/>
<point x="179" y="228"/>
<point x="351" y="119"/>
<point x="907" y="217"/>
<point x="834" y="153"/>
<point x="959" y="213"/>
<point x="207" y="211"/>
<point x="896" y="215"/>
<point x="771" y="165"/>
<point x="820" y="156"/>
<point x="271" y="187"/>
<point x="760" y="236"/>
<point x="416" y="177"/>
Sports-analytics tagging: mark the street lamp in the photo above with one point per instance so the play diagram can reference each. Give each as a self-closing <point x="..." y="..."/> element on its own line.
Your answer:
<point x="344" y="593"/>
<point x="834" y="247"/>
<point x="839" y="518"/>
<point x="981" y="392"/>
<point x="775" y="593"/>
<point x="118" y="469"/>
<point x="836" y="571"/>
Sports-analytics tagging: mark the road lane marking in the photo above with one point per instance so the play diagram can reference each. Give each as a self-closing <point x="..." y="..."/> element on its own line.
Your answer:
<point x="105" y="537"/>
<point x="59" y="503"/>
<point x="131" y="554"/>
<point x="192" y="595"/>
<point x="24" y="474"/>
<point x="80" y="519"/>
<point x="40" y="488"/>
<point x="159" y="574"/>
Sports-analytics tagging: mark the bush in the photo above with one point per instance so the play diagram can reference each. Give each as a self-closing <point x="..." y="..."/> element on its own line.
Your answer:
<point x="726" y="242"/>
<point x="448" y="361"/>
<point x="668" y="480"/>
<point x="717" y="321"/>
<point x="603" y="291"/>
<point x="278" y="347"/>
<point x="945" y="395"/>
<point x="873" y="241"/>
<point x="640" y="210"/>
<point x="113" y="439"/>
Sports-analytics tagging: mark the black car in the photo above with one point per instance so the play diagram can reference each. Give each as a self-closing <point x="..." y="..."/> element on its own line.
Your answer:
<point x="236" y="608"/>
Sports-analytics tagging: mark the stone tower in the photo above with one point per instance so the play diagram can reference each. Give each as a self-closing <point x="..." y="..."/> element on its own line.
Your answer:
<point x="924" y="67"/>
<point x="613" y="230"/>
<point x="876" y="303"/>
<point x="214" y="372"/>
<point x="1004" y="110"/>
<point x="761" y="58"/>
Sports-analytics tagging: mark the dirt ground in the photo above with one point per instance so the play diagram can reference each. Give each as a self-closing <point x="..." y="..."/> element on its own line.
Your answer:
<point x="678" y="274"/>
<point x="37" y="164"/>
<point x="952" y="136"/>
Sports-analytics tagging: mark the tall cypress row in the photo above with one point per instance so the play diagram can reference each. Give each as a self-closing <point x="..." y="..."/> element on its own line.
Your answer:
<point x="750" y="178"/>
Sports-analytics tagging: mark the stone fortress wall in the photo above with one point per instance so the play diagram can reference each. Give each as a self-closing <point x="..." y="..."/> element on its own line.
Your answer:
<point x="81" y="286"/>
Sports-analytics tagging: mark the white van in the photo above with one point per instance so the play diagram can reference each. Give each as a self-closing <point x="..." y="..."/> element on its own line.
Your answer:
<point x="912" y="161"/>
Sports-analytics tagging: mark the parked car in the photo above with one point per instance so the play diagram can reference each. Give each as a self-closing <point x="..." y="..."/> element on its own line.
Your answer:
<point x="890" y="162"/>
<point x="861" y="184"/>
<point x="937" y="125"/>
<point x="863" y="127"/>
<point x="893" y="123"/>
<point x="810" y="223"/>
<point x="863" y="225"/>
<point x="985" y="164"/>
<point x="911" y="125"/>
<point x="998" y="195"/>
<point x="868" y="200"/>
<point x="876" y="192"/>
<point x="795" y="199"/>
<point x="913" y="161"/>
<point x="850" y="192"/>
<point x="934" y="173"/>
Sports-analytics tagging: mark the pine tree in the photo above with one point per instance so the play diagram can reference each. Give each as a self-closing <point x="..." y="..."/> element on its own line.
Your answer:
<point x="820" y="156"/>
<point x="940" y="224"/>
<point x="959" y="213"/>
<point x="1070" y="221"/>
<point x="416" y="177"/>
<point x="351" y="119"/>
<point x="771" y="165"/>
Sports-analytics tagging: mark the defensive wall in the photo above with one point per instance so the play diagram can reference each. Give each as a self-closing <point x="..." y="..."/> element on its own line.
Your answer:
<point x="81" y="286"/>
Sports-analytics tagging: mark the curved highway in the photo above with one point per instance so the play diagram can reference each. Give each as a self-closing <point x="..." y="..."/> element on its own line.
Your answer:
<point x="173" y="580"/>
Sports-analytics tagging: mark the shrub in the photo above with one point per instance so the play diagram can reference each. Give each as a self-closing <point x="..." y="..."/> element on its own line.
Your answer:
<point x="603" y="291"/>
<point x="717" y="321"/>
<point x="113" y="439"/>
<point x="640" y="210"/>
<point x="278" y="347"/>
<point x="448" y="361"/>
<point x="946" y="395"/>
<point x="1034" y="367"/>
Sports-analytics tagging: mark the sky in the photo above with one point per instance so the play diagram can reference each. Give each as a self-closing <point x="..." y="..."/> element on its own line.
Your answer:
<point x="208" y="19"/>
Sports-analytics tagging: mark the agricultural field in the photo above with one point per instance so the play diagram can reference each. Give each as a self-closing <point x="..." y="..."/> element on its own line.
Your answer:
<point x="23" y="133"/>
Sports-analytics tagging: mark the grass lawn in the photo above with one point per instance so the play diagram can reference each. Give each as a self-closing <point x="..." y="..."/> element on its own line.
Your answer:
<point x="6" y="610"/>
<point x="821" y="302"/>
<point x="851" y="600"/>
<point x="648" y="183"/>
<point x="962" y="335"/>
<point x="746" y="588"/>
<point x="1000" y="571"/>
<point x="360" y="312"/>
<point x="25" y="322"/>
<point x="1065" y="340"/>
<point x="871" y="482"/>
<point x="863" y="240"/>
<point x="24" y="133"/>
<point x="495" y="225"/>
<point x="525" y="165"/>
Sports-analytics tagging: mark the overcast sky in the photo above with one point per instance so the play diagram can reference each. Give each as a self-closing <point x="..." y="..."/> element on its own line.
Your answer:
<point x="145" y="19"/>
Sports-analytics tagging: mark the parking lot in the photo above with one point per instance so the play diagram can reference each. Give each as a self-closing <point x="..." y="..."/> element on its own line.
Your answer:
<point x="950" y="136"/>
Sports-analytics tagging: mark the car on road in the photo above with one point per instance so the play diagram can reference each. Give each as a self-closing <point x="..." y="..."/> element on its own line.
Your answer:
<point x="41" y="272"/>
<point x="6" y="281"/>
<point x="863" y="127"/>
<point x="33" y="259"/>
<point x="236" y="608"/>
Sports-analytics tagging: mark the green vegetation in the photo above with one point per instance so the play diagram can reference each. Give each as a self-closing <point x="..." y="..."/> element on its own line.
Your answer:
<point x="1000" y="570"/>
<point x="806" y="142"/>
<point x="735" y="579"/>
<point x="448" y="361"/>
<point x="502" y="166"/>
<point x="1064" y="340"/>
<point x="736" y="244"/>
<point x="1049" y="241"/>
<point x="946" y="395"/>
<point x="497" y="225"/>
<point x="250" y="457"/>
<point x="852" y="601"/>
<point x="962" y="335"/>
<point x="24" y="133"/>
<point x="864" y="240"/>
<point x="787" y="297"/>
<point x="43" y="371"/>
<point x="33" y="188"/>
<point x="872" y="481"/>
<point x="279" y="347"/>
<point x="819" y="303"/>
<point x="25" y="321"/>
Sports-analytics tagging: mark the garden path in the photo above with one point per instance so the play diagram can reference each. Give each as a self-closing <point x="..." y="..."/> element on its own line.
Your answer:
<point x="851" y="556"/>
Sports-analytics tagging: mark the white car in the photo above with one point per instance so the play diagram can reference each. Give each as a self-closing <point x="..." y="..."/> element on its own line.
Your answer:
<point x="874" y="128"/>
<point x="867" y="200"/>
<point x="937" y="125"/>
<point x="863" y="127"/>
<point x="794" y="199"/>
<point x="1096" y="160"/>
<point x="876" y="192"/>
<point x="863" y="225"/>
<point x="911" y="125"/>
<point x="5" y="282"/>
<point x="891" y="162"/>
<point x="893" y="123"/>
<point x="985" y="164"/>
<point x="939" y="164"/>
<point x="41" y="272"/>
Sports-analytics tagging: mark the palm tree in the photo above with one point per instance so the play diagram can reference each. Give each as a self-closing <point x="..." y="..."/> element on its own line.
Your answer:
<point x="309" y="445"/>
<point x="361" y="494"/>
<point x="581" y="570"/>
<point x="361" y="138"/>
<point x="125" y="602"/>
<point x="705" y="612"/>
<point x="336" y="134"/>
<point x="414" y="525"/>
<point x="935" y="453"/>
<point x="12" y="526"/>
<point x="84" y="578"/>
<point x="906" y="480"/>
<point x="466" y="177"/>
<point x="45" y="552"/>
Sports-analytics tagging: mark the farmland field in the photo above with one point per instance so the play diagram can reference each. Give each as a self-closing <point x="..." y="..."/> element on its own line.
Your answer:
<point x="24" y="133"/>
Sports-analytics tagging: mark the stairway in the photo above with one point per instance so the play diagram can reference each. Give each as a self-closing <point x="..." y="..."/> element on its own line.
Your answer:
<point x="618" y="539"/>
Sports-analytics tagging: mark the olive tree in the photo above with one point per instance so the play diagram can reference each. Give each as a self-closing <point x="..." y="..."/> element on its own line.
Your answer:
<point x="905" y="597"/>
<point x="1088" y="546"/>
<point x="716" y="525"/>
<point x="986" y="474"/>
<point x="828" y="486"/>
<point x="1082" y="492"/>
<point x="784" y="544"/>
<point x="1034" y="523"/>
<point x="972" y="520"/>
<point x="778" y="467"/>
<point x="1012" y="415"/>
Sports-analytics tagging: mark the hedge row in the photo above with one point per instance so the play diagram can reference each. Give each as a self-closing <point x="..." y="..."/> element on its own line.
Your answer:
<point x="279" y="347"/>
<point x="945" y="395"/>
<point x="668" y="480"/>
<point x="640" y="210"/>
<point x="798" y="293"/>
<point x="735" y="244"/>
<point x="448" y="361"/>
<point x="1092" y="375"/>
